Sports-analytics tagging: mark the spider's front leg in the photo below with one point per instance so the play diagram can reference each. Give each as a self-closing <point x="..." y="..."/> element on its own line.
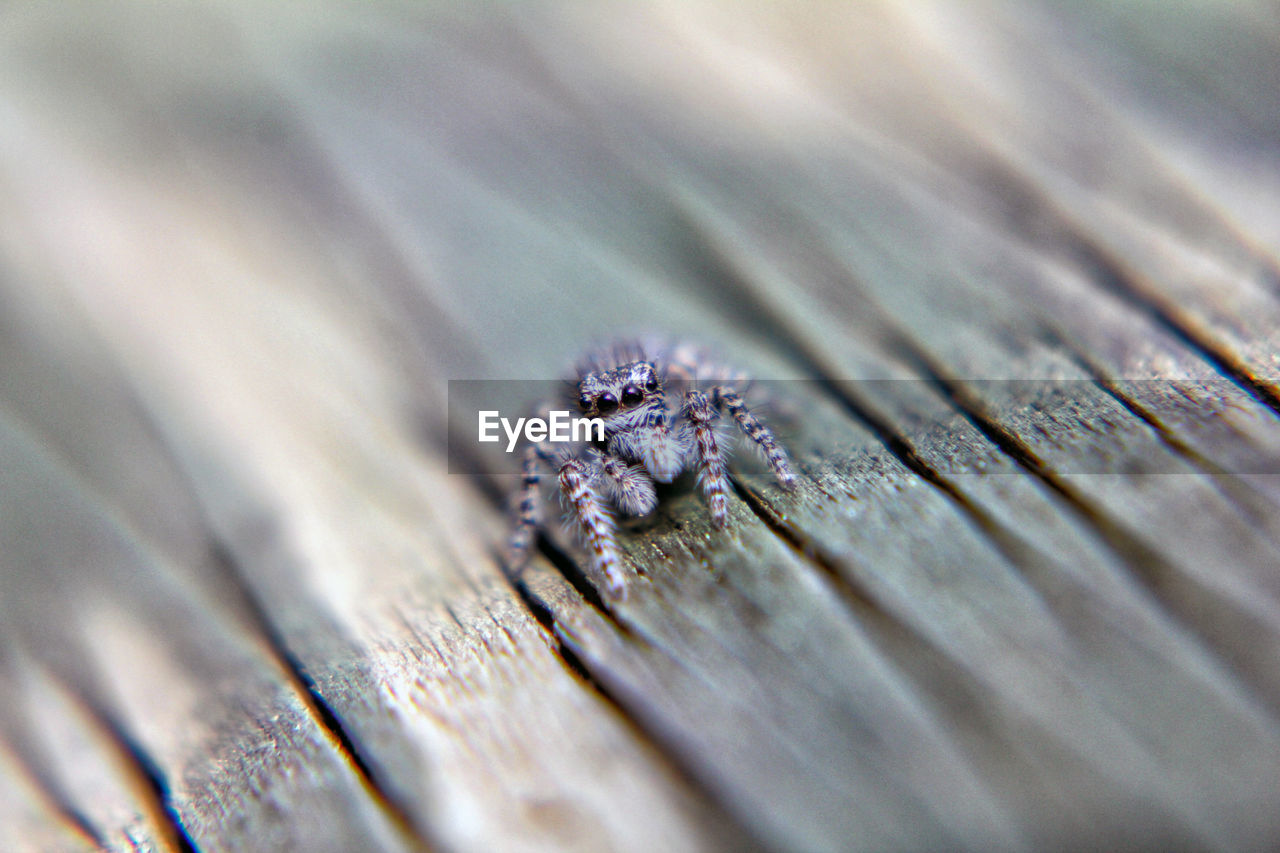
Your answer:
<point x="712" y="470"/>
<point x="758" y="433"/>
<point x="595" y="521"/>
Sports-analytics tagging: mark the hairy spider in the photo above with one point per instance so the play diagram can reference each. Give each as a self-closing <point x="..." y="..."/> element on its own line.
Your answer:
<point x="659" y="402"/>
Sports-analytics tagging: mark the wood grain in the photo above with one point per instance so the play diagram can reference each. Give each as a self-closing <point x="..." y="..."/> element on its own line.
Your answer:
<point x="1011" y="268"/>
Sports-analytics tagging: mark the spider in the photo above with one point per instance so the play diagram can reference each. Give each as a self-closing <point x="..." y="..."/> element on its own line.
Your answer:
<point x="659" y="403"/>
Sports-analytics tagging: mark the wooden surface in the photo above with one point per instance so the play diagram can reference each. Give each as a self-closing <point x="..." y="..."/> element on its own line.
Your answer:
<point x="1021" y="258"/>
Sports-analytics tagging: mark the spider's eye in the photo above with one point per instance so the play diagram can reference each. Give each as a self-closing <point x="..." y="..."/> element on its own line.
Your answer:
<point x="584" y="402"/>
<point x="606" y="403"/>
<point x="631" y="395"/>
<point x="652" y="384"/>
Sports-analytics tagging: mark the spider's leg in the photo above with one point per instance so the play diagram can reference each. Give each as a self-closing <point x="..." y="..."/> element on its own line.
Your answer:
<point x="529" y="510"/>
<point x="774" y="454"/>
<point x="594" y="519"/>
<point x="628" y="486"/>
<point x="711" y="465"/>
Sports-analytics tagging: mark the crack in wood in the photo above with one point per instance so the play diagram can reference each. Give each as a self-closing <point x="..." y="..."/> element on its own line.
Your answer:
<point x="576" y="577"/>
<point x="1107" y="383"/>
<point x="544" y="615"/>
<point x="1043" y="222"/>
<point x="951" y="689"/>
<point x="325" y="716"/>
<point x="1110" y="274"/>
<point x="1242" y="496"/>
<point x="154" y="785"/>
<point x="20" y="750"/>
<point x="296" y="675"/>
<point x="1226" y="626"/>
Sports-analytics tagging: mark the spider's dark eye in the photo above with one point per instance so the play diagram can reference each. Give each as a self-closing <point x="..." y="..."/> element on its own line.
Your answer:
<point x="606" y="403"/>
<point x="631" y="395"/>
<point x="584" y="402"/>
<point x="652" y="384"/>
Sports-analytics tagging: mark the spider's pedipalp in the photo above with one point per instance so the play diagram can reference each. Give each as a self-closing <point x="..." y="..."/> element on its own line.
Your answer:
<point x="626" y="486"/>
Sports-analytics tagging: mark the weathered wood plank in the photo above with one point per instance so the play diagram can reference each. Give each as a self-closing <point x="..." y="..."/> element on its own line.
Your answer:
<point x="31" y="816"/>
<point x="1026" y="595"/>
<point x="100" y="789"/>
<point x="449" y="688"/>
<point x="173" y="684"/>
<point x="1178" y="645"/>
<point x="407" y="660"/>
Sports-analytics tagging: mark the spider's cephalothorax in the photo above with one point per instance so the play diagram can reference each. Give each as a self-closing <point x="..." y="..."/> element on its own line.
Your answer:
<point x="659" y="403"/>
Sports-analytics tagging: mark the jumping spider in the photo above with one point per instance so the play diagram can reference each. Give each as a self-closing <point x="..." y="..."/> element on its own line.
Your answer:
<point x="659" y="403"/>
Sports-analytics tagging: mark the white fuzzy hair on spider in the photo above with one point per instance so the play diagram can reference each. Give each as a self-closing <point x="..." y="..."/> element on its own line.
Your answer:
<point x="659" y="402"/>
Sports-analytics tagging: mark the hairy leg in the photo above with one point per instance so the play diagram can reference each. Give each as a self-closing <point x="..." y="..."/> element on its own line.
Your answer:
<point x="712" y="470"/>
<point x="594" y="520"/>
<point x="774" y="454"/>
<point x="528" y="510"/>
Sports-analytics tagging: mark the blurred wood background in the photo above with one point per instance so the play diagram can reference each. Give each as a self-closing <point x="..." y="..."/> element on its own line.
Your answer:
<point x="1023" y="255"/>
